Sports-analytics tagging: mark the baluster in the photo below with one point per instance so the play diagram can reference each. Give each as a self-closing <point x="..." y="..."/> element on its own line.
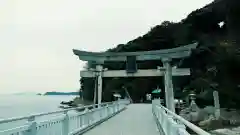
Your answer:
<point x="112" y="109"/>
<point x="164" y="121"/>
<point x="182" y="131"/>
<point x="86" y="118"/>
<point x="106" y="111"/>
<point x="118" y="108"/>
<point x="162" y="115"/>
<point x="33" y="126"/>
<point x="164" y="124"/>
<point x="179" y="129"/>
<point x="115" y="107"/>
<point x="100" y="112"/>
<point x="81" y="121"/>
<point x="172" y="126"/>
<point x="93" y="114"/>
<point x="78" y="121"/>
<point x="170" y="123"/>
<point x="66" y="124"/>
<point x="89" y="116"/>
<point x="167" y="124"/>
<point x="158" y="113"/>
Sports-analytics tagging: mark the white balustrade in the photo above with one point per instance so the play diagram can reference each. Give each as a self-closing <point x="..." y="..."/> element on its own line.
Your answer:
<point x="65" y="123"/>
<point x="171" y="123"/>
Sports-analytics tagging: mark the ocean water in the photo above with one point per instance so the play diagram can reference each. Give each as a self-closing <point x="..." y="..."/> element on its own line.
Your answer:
<point x="24" y="105"/>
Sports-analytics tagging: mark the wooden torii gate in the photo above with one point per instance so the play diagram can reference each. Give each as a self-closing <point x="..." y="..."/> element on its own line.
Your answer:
<point x="165" y="56"/>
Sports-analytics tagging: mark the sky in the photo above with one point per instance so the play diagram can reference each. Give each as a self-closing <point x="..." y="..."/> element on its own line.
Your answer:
<point x="37" y="36"/>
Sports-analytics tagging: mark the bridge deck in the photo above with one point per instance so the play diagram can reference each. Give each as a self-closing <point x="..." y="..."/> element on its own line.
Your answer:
<point x="137" y="119"/>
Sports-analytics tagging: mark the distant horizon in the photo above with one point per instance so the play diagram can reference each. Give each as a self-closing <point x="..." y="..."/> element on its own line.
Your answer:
<point x="29" y="92"/>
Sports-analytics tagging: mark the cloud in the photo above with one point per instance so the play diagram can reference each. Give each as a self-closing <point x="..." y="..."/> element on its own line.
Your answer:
<point x="37" y="36"/>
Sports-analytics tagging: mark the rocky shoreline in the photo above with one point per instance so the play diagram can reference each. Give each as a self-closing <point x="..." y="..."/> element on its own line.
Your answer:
<point x="226" y="124"/>
<point x="76" y="102"/>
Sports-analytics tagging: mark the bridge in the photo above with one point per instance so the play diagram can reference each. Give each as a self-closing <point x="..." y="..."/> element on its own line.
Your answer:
<point x="113" y="118"/>
<point x="121" y="117"/>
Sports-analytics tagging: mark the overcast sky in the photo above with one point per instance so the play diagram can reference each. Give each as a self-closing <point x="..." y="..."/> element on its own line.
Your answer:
<point x="37" y="36"/>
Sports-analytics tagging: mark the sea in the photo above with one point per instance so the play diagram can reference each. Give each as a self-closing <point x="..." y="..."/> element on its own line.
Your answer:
<point x="12" y="106"/>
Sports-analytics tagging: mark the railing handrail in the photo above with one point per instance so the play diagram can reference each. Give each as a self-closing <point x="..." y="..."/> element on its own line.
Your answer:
<point x="193" y="127"/>
<point x="48" y="113"/>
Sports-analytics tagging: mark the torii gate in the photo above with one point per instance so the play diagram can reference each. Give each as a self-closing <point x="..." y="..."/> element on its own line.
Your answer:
<point x="165" y="56"/>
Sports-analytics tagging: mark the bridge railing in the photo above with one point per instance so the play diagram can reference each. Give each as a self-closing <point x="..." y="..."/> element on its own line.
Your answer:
<point x="171" y="123"/>
<point x="64" y="122"/>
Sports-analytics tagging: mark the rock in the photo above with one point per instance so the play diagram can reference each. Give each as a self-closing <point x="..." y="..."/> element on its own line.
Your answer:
<point x="193" y="107"/>
<point x="67" y="103"/>
<point x="194" y="115"/>
<point x="233" y="117"/>
<point x="205" y="122"/>
<point x="226" y="131"/>
<point x="210" y="110"/>
<point x="211" y="123"/>
<point x="185" y="114"/>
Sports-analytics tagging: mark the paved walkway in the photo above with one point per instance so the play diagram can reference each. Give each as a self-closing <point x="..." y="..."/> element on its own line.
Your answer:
<point x="137" y="119"/>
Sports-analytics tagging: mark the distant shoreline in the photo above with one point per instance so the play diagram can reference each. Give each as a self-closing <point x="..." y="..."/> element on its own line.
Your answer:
<point x="60" y="93"/>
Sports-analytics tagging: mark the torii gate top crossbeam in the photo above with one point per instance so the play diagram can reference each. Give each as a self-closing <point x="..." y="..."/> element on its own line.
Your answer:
<point x="179" y="52"/>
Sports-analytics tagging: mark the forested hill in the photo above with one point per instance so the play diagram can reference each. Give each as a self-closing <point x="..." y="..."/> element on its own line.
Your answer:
<point x="214" y="64"/>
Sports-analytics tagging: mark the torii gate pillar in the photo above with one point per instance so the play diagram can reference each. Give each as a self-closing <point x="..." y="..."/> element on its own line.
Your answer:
<point x="99" y="69"/>
<point x="169" y="95"/>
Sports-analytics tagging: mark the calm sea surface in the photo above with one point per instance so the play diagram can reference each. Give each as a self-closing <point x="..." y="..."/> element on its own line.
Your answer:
<point x="23" y="105"/>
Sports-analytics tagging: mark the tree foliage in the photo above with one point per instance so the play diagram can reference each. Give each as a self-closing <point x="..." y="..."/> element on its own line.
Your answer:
<point x="214" y="64"/>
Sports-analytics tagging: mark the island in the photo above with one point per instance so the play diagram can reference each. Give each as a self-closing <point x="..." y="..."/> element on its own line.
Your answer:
<point x="61" y="93"/>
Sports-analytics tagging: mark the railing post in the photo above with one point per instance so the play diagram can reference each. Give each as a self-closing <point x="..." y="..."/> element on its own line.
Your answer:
<point x="33" y="126"/>
<point x="66" y="124"/>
